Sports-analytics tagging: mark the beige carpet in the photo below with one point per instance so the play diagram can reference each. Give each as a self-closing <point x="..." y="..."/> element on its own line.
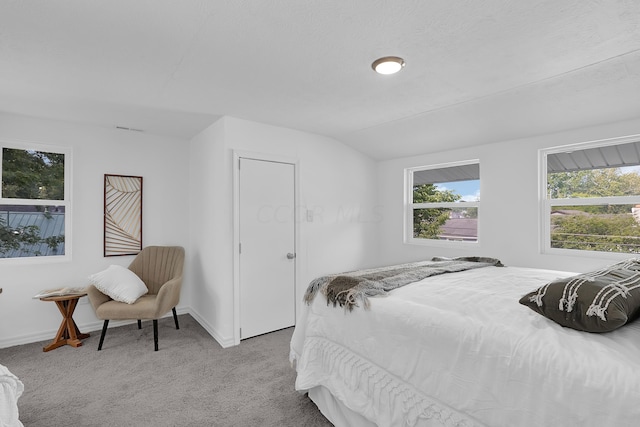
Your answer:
<point x="190" y="381"/>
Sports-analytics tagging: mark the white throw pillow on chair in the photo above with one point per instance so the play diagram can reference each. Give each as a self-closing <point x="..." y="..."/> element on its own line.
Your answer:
<point x="120" y="283"/>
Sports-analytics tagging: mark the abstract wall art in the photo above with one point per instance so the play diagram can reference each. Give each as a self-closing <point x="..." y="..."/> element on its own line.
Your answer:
<point x="122" y="215"/>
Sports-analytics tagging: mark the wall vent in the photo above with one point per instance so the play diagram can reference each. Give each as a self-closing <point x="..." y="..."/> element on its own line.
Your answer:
<point x="129" y="129"/>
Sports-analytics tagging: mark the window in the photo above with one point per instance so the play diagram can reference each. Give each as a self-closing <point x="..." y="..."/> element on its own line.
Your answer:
<point x="443" y="203"/>
<point x="34" y="201"/>
<point x="591" y="197"/>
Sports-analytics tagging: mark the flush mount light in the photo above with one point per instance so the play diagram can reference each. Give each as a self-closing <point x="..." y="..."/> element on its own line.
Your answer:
<point x="388" y="65"/>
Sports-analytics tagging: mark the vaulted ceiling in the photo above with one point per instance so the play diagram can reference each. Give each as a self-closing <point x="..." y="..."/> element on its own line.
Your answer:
<point x="477" y="71"/>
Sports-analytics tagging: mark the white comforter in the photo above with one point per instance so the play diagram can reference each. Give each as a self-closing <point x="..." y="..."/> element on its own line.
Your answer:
<point x="459" y="350"/>
<point x="11" y="389"/>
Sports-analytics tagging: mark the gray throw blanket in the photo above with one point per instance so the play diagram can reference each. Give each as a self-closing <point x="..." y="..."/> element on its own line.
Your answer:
<point x="347" y="288"/>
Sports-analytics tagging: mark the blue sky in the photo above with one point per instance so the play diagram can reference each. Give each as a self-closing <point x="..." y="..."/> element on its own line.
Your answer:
<point x="469" y="190"/>
<point x="630" y="169"/>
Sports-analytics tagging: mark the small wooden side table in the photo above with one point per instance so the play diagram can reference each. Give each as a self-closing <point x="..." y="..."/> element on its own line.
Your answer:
<point x="68" y="333"/>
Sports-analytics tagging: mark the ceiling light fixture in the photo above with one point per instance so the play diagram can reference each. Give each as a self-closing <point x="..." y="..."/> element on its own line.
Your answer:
<point x="388" y="65"/>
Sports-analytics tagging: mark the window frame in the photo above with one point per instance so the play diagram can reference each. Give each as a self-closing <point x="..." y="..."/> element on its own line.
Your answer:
<point x="409" y="208"/>
<point x="66" y="201"/>
<point x="546" y="203"/>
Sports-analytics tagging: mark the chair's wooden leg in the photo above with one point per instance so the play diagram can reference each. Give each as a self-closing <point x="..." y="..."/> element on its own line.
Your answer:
<point x="104" y="331"/>
<point x="175" y="317"/>
<point x="155" y="334"/>
<point x="139" y="324"/>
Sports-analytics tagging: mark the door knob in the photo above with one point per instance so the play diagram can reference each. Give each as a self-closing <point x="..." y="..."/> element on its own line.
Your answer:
<point x="291" y="256"/>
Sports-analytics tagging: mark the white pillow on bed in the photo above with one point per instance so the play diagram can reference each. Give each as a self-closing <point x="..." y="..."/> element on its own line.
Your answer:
<point x="120" y="283"/>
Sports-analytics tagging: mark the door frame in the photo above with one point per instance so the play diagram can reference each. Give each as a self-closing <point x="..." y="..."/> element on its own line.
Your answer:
<point x="242" y="154"/>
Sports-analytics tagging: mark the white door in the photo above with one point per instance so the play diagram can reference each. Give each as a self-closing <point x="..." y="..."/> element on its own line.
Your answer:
<point x="267" y="246"/>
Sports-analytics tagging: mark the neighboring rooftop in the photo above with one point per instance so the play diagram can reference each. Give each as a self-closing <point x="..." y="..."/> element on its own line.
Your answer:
<point x="50" y="224"/>
<point x="460" y="229"/>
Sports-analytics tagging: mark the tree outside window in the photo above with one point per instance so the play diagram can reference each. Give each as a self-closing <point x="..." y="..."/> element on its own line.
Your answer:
<point x="427" y="222"/>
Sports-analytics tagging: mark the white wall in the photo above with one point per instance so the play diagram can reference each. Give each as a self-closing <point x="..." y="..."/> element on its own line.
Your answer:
<point x="337" y="183"/>
<point x="509" y="195"/>
<point x="163" y="164"/>
<point x="209" y="253"/>
<point x="188" y="196"/>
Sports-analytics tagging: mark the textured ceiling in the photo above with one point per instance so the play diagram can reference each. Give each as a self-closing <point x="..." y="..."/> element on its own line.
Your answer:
<point x="477" y="71"/>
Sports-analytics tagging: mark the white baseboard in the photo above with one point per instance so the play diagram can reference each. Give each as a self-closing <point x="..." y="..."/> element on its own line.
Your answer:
<point x="224" y="342"/>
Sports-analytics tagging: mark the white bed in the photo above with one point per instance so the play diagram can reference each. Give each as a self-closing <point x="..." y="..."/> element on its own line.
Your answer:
<point x="11" y="389"/>
<point x="460" y="350"/>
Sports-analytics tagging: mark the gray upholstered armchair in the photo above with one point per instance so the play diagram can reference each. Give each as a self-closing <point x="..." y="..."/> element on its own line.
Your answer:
<point x="160" y="268"/>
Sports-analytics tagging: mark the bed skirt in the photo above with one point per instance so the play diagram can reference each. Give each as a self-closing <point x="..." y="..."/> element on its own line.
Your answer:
<point x="341" y="416"/>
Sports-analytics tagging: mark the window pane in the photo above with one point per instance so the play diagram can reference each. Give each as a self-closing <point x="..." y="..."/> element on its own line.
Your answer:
<point x="28" y="231"/>
<point x="29" y="174"/>
<point x="606" y="228"/>
<point x="459" y="191"/>
<point x="458" y="224"/>
<point x="624" y="181"/>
